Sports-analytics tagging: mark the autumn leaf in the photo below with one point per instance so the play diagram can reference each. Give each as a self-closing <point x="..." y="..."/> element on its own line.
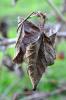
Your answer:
<point x="37" y="47"/>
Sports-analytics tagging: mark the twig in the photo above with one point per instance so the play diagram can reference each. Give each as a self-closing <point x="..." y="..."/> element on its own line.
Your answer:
<point x="44" y="96"/>
<point x="7" y="42"/>
<point x="56" y="10"/>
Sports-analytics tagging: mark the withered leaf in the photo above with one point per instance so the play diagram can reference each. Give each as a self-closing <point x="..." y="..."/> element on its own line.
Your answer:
<point x="37" y="48"/>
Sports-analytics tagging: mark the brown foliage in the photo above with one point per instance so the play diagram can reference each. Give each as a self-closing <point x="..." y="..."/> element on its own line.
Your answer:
<point x="37" y="48"/>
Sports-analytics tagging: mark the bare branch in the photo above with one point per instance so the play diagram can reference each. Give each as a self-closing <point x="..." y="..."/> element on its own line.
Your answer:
<point x="44" y="96"/>
<point x="7" y="42"/>
<point x="56" y="10"/>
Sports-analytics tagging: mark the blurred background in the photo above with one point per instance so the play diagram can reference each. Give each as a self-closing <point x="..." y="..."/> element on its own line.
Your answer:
<point x="14" y="80"/>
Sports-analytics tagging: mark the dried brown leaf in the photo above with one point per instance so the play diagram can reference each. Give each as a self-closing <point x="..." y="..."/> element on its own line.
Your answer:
<point x="37" y="48"/>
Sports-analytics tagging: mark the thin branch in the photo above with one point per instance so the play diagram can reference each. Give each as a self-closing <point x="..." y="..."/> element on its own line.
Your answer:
<point x="44" y="96"/>
<point x="56" y="10"/>
<point x="7" y="42"/>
